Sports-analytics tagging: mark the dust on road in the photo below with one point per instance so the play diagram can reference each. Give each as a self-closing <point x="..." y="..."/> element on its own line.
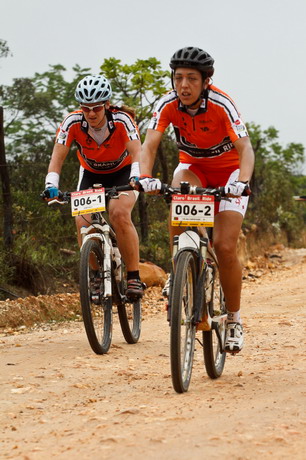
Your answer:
<point x="60" y="400"/>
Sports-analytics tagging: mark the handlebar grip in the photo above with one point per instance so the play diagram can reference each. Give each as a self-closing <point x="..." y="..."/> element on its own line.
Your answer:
<point x="247" y="191"/>
<point x="222" y="191"/>
<point x="164" y="189"/>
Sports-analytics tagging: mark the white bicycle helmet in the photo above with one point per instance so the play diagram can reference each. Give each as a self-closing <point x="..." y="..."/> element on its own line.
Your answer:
<point x="93" y="88"/>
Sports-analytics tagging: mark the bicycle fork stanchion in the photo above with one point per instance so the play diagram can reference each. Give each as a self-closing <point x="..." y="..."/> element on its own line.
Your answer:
<point x="104" y="238"/>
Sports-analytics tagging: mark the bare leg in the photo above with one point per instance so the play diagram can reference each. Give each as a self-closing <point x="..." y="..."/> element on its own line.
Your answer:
<point x="226" y="233"/>
<point x="127" y="238"/>
<point x="120" y="217"/>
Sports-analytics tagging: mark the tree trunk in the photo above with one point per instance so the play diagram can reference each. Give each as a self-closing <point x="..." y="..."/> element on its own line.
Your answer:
<point x="6" y="194"/>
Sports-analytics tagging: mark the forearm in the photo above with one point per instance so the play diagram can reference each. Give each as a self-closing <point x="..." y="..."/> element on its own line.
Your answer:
<point x="246" y="167"/>
<point x="147" y="160"/>
<point x="148" y="152"/>
<point x="56" y="163"/>
<point x="57" y="159"/>
<point x="246" y="160"/>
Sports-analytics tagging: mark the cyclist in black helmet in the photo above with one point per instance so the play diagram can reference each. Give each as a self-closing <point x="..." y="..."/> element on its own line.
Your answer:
<point x="214" y="150"/>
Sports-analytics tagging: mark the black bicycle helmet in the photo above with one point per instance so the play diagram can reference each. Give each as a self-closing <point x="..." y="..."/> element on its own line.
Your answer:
<point x="193" y="57"/>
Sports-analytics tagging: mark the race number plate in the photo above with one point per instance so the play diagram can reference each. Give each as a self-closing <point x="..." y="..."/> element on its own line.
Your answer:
<point x="87" y="201"/>
<point x="192" y="210"/>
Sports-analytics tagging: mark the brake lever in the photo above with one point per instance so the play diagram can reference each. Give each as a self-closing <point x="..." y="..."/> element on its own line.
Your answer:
<point x="56" y="201"/>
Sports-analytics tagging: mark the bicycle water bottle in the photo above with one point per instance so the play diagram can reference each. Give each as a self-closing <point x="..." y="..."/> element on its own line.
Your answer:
<point x="117" y="263"/>
<point x="208" y="282"/>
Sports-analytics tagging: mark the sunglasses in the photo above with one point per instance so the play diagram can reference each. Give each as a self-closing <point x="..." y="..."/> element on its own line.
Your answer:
<point x="94" y="108"/>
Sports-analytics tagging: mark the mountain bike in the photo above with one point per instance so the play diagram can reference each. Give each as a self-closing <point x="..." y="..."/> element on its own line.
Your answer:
<point x="196" y="299"/>
<point x="102" y="272"/>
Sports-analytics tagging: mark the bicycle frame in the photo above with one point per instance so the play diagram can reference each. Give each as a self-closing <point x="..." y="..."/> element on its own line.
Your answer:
<point x="191" y="240"/>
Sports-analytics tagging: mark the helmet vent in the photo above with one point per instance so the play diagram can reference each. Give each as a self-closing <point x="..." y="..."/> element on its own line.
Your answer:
<point x="93" y="88"/>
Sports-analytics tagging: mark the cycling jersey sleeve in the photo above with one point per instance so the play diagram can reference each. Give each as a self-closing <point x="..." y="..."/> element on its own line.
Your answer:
<point x="130" y="131"/>
<point x="162" y="118"/>
<point x="236" y="129"/>
<point x="65" y="134"/>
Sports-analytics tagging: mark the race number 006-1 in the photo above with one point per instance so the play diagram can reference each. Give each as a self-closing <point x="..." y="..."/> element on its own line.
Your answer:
<point x="87" y="201"/>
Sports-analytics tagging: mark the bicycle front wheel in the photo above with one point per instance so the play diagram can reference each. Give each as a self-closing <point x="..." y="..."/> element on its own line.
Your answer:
<point x="213" y="340"/>
<point x="129" y="312"/>
<point x="182" y="328"/>
<point x="96" y="309"/>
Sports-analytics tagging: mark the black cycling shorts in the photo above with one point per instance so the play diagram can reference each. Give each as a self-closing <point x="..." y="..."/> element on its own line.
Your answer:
<point x="87" y="178"/>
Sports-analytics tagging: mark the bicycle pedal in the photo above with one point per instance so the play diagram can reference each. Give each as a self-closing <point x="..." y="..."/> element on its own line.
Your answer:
<point x="95" y="298"/>
<point x="203" y="326"/>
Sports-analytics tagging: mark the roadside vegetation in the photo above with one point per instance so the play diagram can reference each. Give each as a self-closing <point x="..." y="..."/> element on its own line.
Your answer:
<point x="38" y="244"/>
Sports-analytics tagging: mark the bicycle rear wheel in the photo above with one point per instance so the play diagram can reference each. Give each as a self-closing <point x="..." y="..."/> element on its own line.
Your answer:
<point x="129" y="312"/>
<point x="96" y="309"/>
<point x="214" y="354"/>
<point x="182" y="328"/>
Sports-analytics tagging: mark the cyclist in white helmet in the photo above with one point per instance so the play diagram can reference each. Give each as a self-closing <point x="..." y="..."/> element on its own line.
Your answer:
<point x="109" y="147"/>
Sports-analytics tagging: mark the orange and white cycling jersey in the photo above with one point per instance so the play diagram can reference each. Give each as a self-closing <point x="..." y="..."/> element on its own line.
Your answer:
<point x="208" y="136"/>
<point x="112" y="154"/>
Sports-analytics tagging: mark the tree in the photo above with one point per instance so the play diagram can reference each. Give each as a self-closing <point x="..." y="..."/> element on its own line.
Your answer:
<point x="4" y="174"/>
<point x="274" y="183"/>
<point x="140" y="85"/>
<point x="4" y="49"/>
<point x="33" y="108"/>
<point x="6" y="193"/>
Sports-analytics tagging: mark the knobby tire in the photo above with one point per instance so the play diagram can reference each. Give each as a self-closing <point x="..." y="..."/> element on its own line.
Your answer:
<point x="129" y="312"/>
<point x="214" y="356"/>
<point x="182" y="328"/>
<point x="97" y="318"/>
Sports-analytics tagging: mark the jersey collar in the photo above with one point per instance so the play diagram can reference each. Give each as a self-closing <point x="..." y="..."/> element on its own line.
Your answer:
<point x="110" y="123"/>
<point x="202" y="108"/>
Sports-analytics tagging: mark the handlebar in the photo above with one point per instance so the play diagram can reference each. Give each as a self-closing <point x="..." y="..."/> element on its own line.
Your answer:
<point x="110" y="192"/>
<point x="187" y="189"/>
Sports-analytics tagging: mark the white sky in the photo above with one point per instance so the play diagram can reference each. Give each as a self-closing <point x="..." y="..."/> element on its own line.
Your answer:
<point x="259" y="46"/>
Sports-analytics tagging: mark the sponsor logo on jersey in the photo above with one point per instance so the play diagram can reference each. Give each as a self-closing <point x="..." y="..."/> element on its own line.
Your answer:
<point x="238" y="126"/>
<point x="62" y="135"/>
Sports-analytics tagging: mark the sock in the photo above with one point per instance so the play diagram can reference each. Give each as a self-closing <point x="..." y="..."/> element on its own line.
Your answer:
<point x="233" y="317"/>
<point x="133" y="275"/>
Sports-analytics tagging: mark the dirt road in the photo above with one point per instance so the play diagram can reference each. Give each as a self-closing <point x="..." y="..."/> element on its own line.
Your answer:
<point x="60" y="400"/>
